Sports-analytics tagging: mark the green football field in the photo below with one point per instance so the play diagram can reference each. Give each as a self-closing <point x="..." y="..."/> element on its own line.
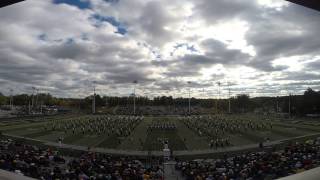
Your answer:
<point x="182" y="138"/>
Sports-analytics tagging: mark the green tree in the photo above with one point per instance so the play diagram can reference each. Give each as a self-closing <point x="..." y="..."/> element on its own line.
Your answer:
<point x="3" y="99"/>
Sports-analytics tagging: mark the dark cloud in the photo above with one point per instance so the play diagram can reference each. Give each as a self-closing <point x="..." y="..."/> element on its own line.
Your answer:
<point x="67" y="51"/>
<point x="216" y="52"/>
<point x="220" y="53"/>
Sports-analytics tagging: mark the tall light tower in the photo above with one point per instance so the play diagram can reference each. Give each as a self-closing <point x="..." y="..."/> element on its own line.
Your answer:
<point x="189" y="82"/>
<point x="29" y="108"/>
<point x="175" y="94"/>
<point x="11" y="99"/>
<point x="94" y="98"/>
<point x="37" y="90"/>
<point x="289" y="111"/>
<point x="135" y="82"/>
<point x="219" y="84"/>
<point x="40" y="99"/>
<point x="32" y="100"/>
<point x="229" y="99"/>
<point x="277" y="110"/>
<point x="79" y="103"/>
<point x="203" y="93"/>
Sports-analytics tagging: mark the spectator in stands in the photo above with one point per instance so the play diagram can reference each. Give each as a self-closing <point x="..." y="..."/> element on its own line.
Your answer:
<point x="44" y="164"/>
<point x="293" y="159"/>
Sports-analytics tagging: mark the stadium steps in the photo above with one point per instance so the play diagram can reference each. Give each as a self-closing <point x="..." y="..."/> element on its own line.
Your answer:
<point x="170" y="173"/>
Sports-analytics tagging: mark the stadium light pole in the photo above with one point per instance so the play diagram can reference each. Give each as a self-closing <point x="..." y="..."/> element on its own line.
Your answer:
<point x="29" y="107"/>
<point x="11" y="99"/>
<point x="37" y="90"/>
<point x="219" y="84"/>
<point x="229" y="98"/>
<point x="79" y="102"/>
<point x="134" y="96"/>
<point x="175" y="94"/>
<point x="289" y="110"/>
<point x="43" y="96"/>
<point x="32" y="100"/>
<point x="189" y="82"/>
<point x="94" y="98"/>
<point x="41" y="101"/>
<point x="277" y="110"/>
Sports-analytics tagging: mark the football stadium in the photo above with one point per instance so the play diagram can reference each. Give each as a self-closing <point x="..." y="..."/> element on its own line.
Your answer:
<point x="159" y="90"/>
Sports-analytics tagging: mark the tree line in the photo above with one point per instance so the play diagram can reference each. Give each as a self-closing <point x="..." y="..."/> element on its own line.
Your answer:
<point x="308" y="103"/>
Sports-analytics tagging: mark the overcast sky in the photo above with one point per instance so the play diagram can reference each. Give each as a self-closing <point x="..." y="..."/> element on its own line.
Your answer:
<point x="258" y="47"/>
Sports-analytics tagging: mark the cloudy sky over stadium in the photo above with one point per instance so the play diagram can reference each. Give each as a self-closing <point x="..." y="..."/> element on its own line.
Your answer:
<point x="258" y="47"/>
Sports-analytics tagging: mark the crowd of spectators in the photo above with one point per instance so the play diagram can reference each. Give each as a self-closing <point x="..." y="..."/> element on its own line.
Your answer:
<point x="45" y="164"/>
<point x="294" y="158"/>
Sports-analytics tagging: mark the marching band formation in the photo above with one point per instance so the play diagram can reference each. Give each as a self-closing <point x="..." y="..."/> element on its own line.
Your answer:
<point x="121" y="126"/>
<point x="217" y="128"/>
<point x="162" y="126"/>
